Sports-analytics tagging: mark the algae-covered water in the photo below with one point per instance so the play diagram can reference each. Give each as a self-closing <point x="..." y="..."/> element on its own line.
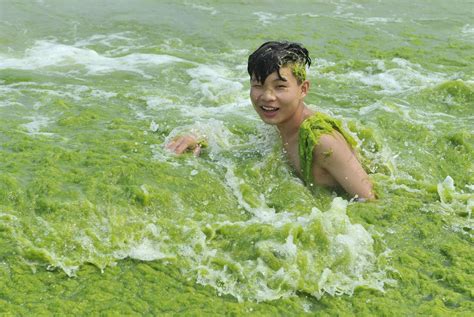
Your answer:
<point x="97" y="218"/>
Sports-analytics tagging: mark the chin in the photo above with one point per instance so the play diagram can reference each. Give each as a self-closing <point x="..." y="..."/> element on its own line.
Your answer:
<point x="271" y="121"/>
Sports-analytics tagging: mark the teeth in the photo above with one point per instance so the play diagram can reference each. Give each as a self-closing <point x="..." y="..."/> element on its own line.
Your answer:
<point x="269" y="108"/>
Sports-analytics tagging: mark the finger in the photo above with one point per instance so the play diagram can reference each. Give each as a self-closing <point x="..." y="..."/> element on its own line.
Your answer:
<point x="171" y="145"/>
<point x="183" y="146"/>
<point x="197" y="150"/>
<point x="174" y="143"/>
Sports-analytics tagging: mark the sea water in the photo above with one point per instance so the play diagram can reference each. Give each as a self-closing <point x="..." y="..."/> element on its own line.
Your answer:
<point x="97" y="217"/>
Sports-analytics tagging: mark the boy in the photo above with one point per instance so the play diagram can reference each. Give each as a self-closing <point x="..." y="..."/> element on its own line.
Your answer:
<point x="320" y="151"/>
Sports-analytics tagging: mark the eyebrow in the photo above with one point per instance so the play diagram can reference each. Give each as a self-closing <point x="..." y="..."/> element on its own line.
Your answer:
<point x="276" y="79"/>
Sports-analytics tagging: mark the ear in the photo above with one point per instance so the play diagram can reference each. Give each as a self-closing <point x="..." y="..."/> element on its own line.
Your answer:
<point x="304" y="88"/>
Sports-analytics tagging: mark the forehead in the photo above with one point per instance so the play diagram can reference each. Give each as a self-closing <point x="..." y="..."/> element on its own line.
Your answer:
<point x="285" y="75"/>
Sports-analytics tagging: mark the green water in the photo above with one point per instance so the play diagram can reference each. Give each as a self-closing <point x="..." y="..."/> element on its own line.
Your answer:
<point x="97" y="218"/>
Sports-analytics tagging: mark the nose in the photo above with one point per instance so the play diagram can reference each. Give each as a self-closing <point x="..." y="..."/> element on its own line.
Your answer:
<point x="268" y="95"/>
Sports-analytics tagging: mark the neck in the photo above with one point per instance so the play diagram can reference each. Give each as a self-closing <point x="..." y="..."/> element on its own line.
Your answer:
<point x="291" y="126"/>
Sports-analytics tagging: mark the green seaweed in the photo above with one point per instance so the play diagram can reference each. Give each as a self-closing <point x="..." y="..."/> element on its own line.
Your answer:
<point x="309" y="133"/>
<point x="96" y="218"/>
<point x="299" y="71"/>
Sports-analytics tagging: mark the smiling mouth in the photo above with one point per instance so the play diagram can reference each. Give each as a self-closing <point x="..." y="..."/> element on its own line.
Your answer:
<point x="269" y="109"/>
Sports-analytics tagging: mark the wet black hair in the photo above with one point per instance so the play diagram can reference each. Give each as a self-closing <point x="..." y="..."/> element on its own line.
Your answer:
<point x="273" y="55"/>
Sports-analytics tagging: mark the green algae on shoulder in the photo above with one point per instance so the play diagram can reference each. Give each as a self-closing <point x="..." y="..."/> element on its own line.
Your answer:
<point x="310" y="132"/>
<point x="328" y="154"/>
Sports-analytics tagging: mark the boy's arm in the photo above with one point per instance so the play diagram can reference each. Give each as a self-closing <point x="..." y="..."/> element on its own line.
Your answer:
<point x="337" y="158"/>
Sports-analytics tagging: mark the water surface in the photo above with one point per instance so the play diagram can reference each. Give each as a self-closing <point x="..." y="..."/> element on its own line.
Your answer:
<point x="96" y="217"/>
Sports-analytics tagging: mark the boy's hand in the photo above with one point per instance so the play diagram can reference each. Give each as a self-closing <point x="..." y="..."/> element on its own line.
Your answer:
<point x="183" y="143"/>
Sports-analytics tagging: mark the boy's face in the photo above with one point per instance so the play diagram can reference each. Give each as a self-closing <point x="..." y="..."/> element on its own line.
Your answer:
<point x="277" y="99"/>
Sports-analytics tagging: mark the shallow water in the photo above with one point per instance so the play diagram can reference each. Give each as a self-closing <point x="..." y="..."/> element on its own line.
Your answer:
<point x="97" y="218"/>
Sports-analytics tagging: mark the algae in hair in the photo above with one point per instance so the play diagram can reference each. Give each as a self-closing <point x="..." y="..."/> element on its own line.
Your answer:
<point x="299" y="71"/>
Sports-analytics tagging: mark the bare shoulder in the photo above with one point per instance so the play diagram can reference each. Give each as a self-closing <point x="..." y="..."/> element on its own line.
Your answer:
<point x="335" y="156"/>
<point x="332" y="146"/>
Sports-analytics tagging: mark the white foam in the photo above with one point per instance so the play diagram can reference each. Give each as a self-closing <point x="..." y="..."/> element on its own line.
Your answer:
<point x="214" y="82"/>
<point x="211" y="10"/>
<point x="147" y="250"/>
<point x="66" y="91"/>
<point x="102" y="94"/>
<point x="400" y="77"/>
<point x="346" y="9"/>
<point x="311" y="15"/>
<point x="9" y="103"/>
<point x="35" y="126"/>
<point x="240" y="107"/>
<point x="262" y="212"/>
<point x="46" y="54"/>
<point x="266" y="18"/>
<point x="159" y="153"/>
<point x="321" y="63"/>
<point x="451" y="199"/>
<point x="346" y="240"/>
<point x="407" y="77"/>
<point x="160" y="103"/>
<point x="109" y="40"/>
<point x="375" y="20"/>
<point x="154" y="126"/>
<point x="408" y="113"/>
<point x="467" y="29"/>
